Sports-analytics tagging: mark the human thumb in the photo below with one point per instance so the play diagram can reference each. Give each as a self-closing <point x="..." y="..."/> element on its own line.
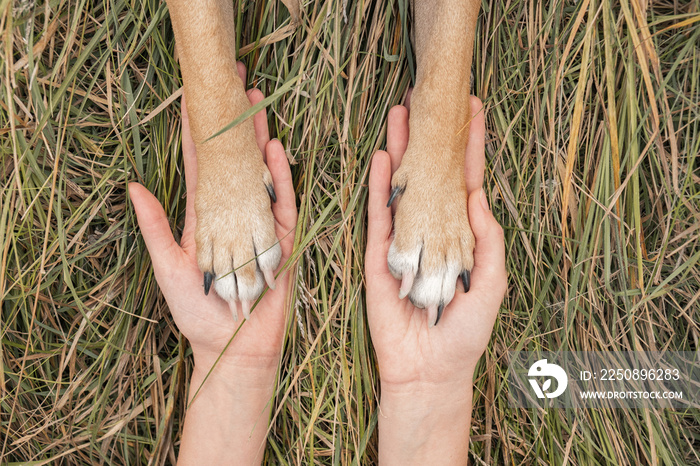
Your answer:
<point x="489" y="272"/>
<point x="154" y="227"/>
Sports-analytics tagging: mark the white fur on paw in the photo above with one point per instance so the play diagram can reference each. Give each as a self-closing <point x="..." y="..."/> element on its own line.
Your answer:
<point x="235" y="234"/>
<point x="225" y="286"/>
<point x="237" y="245"/>
<point x="249" y="290"/>
<point x="435" y="287"/>
<point x="403" y="262"/>
<point x="234" y="286"/>
<point x="427" y="288"/>
<point x="268" y="260"/>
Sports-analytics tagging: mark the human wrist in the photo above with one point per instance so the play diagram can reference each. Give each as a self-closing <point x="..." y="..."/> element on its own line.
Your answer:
<point x="425" y="423"/>
<point x="251" y="373"/>
<point x="228" y="404"/>
<point x="427" y="396"/>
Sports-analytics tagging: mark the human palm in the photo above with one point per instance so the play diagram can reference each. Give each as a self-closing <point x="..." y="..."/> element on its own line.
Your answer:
<point x="408" y="350"/>
<point x="207" y="321"/>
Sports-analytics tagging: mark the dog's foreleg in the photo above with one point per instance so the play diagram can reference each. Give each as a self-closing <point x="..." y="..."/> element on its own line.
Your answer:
<point x="237" y="249"/>
<point x="433" y="242"/>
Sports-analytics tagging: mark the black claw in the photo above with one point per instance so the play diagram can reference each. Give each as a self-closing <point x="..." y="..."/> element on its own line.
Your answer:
<point x="271" y="192"/>
<point x="208" y="278"/>
<point x="441" y="308"/>
<point x="395" y="192"/>
<point x="466" y="279"/>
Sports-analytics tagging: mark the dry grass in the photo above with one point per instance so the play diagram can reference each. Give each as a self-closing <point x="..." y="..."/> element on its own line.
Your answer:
<point x="592" y="168"/>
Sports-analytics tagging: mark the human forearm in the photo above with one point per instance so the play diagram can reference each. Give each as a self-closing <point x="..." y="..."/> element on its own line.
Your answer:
<point x="425" y="425"/>
<point x="227" y="420"/>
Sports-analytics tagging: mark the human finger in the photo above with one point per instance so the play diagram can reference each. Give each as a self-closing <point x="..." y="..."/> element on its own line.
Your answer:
<point x="475" y="156"/>
<point x="488" y="277"/>
<point x="378" y="216"/>
<point x="285" y="209"/>
<point x="262" y="133"/>
<point x="240" y="68"/>
<point x="155" y="227"/>
<point x="189" y="157"/>
<point x="397" y="135"/>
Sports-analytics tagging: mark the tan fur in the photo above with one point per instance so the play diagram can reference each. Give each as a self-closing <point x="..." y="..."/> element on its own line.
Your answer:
<point x="234" y="220"/>
<point x="433" y="167"/>
<point x="432" y="209"/>
<point x="233" y="210"/>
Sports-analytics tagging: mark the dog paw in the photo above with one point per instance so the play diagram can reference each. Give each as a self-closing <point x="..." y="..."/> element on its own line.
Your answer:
<point x="433" y="242"/>
<point x="237" y="248"/>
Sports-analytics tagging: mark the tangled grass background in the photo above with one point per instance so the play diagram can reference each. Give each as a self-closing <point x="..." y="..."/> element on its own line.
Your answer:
<point x="593" y="121"/>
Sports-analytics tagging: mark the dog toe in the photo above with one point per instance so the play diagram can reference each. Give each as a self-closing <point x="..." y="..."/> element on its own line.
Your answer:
<point x="237" y="249"/>
<point x="432" y="246"/>
<point x="226" y="287"/>
<point x="268" y="258"/>
<point x="435" y="285"/>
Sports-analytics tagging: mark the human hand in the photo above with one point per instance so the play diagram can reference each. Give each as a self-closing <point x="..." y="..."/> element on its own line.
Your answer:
<point x="407" y="350"/>
<point x="426" y="373"/>
<point x="206" y="321"/>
